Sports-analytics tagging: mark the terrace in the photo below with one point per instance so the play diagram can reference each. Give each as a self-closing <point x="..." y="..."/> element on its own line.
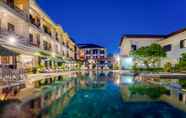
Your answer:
<point x="18" y="7"/>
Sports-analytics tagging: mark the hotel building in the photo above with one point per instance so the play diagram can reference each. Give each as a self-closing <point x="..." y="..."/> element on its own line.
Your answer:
<point x="93" y="55"/>
<point x="28" y="37"/>
<point x="174" y="44"/>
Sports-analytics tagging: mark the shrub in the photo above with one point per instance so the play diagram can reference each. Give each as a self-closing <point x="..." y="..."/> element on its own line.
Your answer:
<point x="151" y="91"/>
<point x="182" y="82"/>
<point x="135" y="68"/>
<point x="168" y="67"/>
<point x="181" y="65"/>
<point x="116" y="67"/>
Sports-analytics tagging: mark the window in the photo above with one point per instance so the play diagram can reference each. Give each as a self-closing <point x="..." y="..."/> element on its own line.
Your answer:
<point x="47" y="30"/>
<point x="102" y="52"/>
<point x="87" y="57"/>
<point x="167" y="48"/>
<point x="31" y="38"/>
<point x="7" y="60"/>
<point x="95" y="51"/>
<point x="134" y="47"/>
<point x="88" y="52"/>
<point x="56" y="35"/>
<point x="10" y="3"/>
<point x="183" y="43"/>
<point x="11" y="27"/>
<point x="38" y="40"/>
<point x="45" y="45"/>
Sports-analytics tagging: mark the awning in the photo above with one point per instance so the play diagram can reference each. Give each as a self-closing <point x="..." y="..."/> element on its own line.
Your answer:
<point x="45" y="54"/>
<point x="57" y="59"/>
<point x="7" y="52"/>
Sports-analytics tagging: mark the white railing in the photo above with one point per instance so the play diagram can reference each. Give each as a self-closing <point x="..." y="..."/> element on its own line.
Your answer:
<point x="4" y="35"/>
<point x="9" y="75"/>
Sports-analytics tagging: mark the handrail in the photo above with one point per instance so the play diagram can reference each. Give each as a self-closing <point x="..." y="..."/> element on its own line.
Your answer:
<point x="7" y="74"/>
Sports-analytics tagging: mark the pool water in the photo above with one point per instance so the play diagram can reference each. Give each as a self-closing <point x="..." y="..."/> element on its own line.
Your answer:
<point x="104" y="95"/>
<point x="108" y="103"/>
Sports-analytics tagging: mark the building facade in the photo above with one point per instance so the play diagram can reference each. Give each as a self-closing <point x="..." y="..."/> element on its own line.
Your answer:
<point x="94" y="56"/>
<point x="174" y="44"/>
<point x="30" y="37"/>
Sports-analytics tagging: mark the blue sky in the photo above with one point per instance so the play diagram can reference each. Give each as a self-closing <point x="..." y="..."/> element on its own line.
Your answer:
<point x="105" y="21"/>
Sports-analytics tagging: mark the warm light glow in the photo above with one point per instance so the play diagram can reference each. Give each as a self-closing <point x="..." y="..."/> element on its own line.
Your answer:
<point x="37" y="53"/>
<point x="127" y="62"/>
<point x="118" y="81"/>
<point x="53" y="54"/>
<point x="118" y="58"/>
<point x="11" y="39"/>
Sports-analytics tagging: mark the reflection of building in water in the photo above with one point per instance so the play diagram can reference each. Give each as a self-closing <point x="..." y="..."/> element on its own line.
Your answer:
<point x="96" y="79"/>
<point x="84" y="84"/>
<point x="53" y="93"/>
<point x="125" y="82"/>
<point x="57" y="106"/>
<point x="176" y="96"/>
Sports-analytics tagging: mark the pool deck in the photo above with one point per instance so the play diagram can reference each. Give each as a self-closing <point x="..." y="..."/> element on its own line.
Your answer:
<point x="40" y="76"/>
<point x="164" y="75"/>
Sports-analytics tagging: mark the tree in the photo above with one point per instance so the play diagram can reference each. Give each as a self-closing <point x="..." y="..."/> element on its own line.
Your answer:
<point x="150" y="54"/>
<point x="182" y="82"/>
<point x="182" y="63"/>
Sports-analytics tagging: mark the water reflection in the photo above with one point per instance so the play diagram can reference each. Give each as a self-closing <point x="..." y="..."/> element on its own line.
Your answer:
<point x="170" y="91"/>
<point x="114" y="95"/>
<point x="99" y="93"/>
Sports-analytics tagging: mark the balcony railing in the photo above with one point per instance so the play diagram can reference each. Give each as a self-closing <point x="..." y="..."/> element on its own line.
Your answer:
<point x="14" y="9"/>
<point x="19" y="40"/>
<point x="7" y="74"/>
<point x="4" y="34"/>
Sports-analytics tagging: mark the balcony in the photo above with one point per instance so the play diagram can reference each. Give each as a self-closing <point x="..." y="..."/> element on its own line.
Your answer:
<point x="35" y="22"/>
<point x="14" y="9"/>
<point x="47" y="46"/>
<point x="32" y="43"/>
<point x="4" y="34"/>
<point x="13" y="40"/>
<point x="46" y="30"/>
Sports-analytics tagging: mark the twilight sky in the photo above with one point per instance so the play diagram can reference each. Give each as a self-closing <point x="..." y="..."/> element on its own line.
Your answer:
<point x="105" y="21"/>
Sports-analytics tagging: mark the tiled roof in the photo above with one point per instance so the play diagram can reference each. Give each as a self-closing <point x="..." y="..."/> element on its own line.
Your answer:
<point x="89" y="46"/>
<point x="151" y="35"/>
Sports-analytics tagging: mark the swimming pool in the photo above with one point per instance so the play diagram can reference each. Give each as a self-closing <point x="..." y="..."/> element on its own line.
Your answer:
<point x="93" y="100"/>
<point x="106" y="95"/>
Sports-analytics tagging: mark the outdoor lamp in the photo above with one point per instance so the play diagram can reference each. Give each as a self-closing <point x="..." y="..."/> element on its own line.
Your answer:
<point x="118" y="58"/>
<point x="12" y="39"/>
<point x="53" y="54"/>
